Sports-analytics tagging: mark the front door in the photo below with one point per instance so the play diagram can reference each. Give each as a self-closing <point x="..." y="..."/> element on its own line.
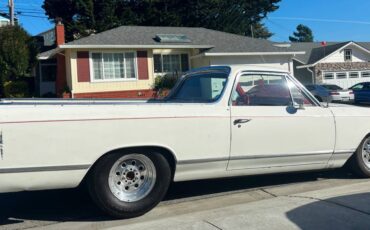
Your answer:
<point x="270" y="129"/>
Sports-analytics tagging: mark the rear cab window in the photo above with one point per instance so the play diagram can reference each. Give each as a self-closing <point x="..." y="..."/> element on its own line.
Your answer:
<point x="202" y="87"/>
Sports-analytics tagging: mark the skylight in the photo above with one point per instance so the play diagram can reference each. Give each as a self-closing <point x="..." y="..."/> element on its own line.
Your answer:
<point x="173" y="38"/>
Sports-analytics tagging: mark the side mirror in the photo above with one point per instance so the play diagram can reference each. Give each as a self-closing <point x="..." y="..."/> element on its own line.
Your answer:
<point x="298" y="105"/>
<point x="294" y="107"/>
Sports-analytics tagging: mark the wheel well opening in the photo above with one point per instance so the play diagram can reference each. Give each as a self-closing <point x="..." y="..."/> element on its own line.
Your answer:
<point x="170" y="157"/>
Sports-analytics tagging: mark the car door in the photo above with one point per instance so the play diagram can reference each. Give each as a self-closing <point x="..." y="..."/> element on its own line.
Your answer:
<point x="270" y="129"/>
<point x="362" y="92"/>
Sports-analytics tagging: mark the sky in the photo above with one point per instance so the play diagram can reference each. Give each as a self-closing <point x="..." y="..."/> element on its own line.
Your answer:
<point x="330" y="20"/>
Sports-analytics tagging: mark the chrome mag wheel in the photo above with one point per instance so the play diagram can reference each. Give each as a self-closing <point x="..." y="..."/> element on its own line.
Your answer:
<point x="132" y="177"/>
<point x="366" y="152"/>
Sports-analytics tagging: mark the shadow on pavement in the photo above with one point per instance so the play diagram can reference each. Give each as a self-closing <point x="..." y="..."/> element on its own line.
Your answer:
<point x="343" y="212"/>
<point x="75" y="204"/>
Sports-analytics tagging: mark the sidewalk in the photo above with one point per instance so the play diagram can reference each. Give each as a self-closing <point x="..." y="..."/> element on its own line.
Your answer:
<point x="343" y="207"/>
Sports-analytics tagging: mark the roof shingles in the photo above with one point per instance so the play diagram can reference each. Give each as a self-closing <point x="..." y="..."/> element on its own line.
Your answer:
<point x="144" y="35"/>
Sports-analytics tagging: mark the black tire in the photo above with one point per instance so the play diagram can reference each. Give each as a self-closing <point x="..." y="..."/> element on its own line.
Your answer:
<point x="102" y="195"/>
<point x="357" y="164"/>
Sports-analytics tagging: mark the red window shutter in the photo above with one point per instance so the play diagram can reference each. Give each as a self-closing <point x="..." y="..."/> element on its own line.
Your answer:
<point x="142" y="65"/>
<point x="83" y="66"/>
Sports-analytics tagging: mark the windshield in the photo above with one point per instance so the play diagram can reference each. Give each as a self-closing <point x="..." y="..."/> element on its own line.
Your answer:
<point x="200" y="87"/>
<point x="332" y="87"/>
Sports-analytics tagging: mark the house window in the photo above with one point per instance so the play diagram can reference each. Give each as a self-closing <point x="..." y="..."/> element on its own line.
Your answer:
<point x="328" y="76"/>
<point x="347" y="55"/>
<point x="113" y="66"/>
<point x="341" y="75"/>
<point x="171" y="63"/>
<point x="365" y="74"/>
<point x="353" y="75"/>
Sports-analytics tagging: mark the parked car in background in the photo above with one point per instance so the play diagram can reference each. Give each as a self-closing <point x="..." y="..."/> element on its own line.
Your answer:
<point x="361" y="92"/>
<point x="330" y="93"/>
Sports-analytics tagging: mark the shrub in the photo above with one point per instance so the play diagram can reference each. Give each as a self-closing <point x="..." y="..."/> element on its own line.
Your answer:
<point x="165" y="82"/>
<point x="17" y="89"/>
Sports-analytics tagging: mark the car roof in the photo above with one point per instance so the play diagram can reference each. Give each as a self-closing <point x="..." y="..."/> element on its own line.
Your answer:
<point x="238" y="68"/>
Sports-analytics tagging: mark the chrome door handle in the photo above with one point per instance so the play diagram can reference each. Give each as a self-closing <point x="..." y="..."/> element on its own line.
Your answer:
<point x="241" y="121"/>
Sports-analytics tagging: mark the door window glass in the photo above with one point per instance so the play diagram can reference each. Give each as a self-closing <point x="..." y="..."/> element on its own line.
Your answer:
<point x="298" y="95"/>
<point x="267" y="90"/>
<point x="261" y="90"/>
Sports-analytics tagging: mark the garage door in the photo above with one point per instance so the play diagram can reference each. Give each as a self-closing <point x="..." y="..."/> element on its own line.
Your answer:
<point x="346" y="79"/>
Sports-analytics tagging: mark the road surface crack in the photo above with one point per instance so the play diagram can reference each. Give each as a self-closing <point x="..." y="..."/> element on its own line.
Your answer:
<point x="213" y="225"/>
<point x="270" y="193"/>
<point x="330" y="202"/>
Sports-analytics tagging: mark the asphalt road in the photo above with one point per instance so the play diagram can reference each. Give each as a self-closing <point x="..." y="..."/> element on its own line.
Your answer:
<point x="73" y="209"/>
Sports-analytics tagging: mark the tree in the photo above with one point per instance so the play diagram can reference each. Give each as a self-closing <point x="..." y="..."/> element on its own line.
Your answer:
<point x="83" y="17"/>
<point x="303" y="34"/>
<point x="17" y="56"/>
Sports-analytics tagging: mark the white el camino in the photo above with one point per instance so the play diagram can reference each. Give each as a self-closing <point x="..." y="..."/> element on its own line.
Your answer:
<point x="217" y="122"/>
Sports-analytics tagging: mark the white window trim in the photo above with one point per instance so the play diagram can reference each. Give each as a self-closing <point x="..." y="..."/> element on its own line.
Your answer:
<point x="92" y="77"/>
<point x="351" y="72"/>
<point x="348" y="74"/>
<point x="350" y="59"/>
<point x="170" y="53"/>
<point x="345" y="74"/>
<point x="323" y="76"/>
<point x="362" y="72"/>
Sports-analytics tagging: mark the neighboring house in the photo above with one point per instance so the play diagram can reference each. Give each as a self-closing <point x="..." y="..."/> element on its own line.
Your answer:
<point x="123" y="62"/>
<point x="4" y="21"/>
<point x="46" y="70"/>
<point x="343" y="64"/>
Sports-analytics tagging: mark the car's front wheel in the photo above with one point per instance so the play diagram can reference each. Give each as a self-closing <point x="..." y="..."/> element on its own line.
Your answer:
<point x="129" y="184"/>
<point x="360" y="161"/>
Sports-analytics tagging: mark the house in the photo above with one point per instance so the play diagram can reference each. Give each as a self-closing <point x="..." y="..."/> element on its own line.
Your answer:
<point x="45" y="71"/>
<point x="4" y="20"/>
<point x="123" y="62"/>
<point x="340" y="63"/>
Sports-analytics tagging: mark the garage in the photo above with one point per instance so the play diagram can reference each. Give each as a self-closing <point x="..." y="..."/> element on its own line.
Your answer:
<point x="346" y="79"/>
<point x="341" y="63"/>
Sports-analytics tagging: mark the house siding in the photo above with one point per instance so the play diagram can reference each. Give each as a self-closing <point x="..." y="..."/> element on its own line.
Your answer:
<point x="142" y="86"/>
<point x="134" y="94"/>
<point x="358" y="55"/>
<point x="83" y="88"/>
<point x="275" y="62"/>
<point x="341" y="67"/>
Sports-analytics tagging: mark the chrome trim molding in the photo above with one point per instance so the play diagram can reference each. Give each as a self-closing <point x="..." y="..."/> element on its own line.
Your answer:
<point x="44" y="169"/>
<point x="345" y="151"/>
<point x="280" y="155"/>
<point x="207" y="160"/>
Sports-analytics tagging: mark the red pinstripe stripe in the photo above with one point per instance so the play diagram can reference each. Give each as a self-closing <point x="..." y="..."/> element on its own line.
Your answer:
<point x="146" y="118"/>
<point x="108" y="119"/>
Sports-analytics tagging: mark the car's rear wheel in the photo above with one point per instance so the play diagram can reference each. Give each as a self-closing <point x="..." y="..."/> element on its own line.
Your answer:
<point x="360" y="161"/>
<point x="129" y="184"/>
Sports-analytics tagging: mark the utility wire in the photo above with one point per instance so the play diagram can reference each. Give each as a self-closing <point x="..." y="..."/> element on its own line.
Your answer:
<point x="322" y="20"/>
